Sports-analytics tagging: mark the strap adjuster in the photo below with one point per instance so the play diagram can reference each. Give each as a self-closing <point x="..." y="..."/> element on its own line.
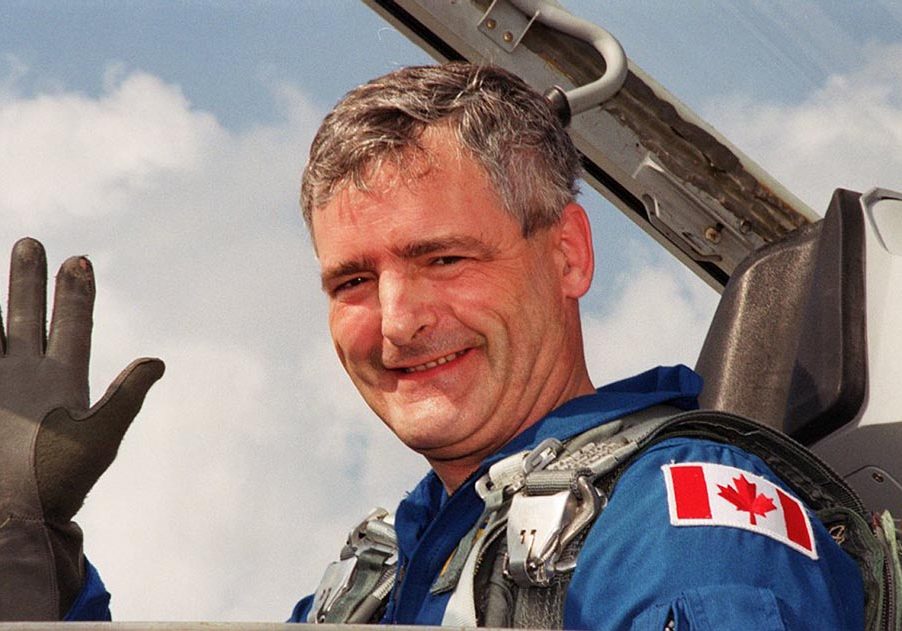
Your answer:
<point x="539" y="527"/>
<point x="334" y="584"/>
<point x="373" y="538"/>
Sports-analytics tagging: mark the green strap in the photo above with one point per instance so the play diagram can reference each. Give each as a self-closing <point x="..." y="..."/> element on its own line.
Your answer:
<point x="369" y="572"/>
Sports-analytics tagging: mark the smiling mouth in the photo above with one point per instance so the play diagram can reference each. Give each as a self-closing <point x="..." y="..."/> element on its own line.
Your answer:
<point x="434" y="363"/>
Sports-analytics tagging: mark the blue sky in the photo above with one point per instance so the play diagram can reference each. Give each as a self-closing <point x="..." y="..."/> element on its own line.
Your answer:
<point x="165" y="140"/>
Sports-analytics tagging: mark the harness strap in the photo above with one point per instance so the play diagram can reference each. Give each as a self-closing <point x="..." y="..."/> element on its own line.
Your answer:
<point x="544" y="498"/>
<point x="559" y="500"/>
<point x="354" y="588"/>
<point x="813" y="479"/>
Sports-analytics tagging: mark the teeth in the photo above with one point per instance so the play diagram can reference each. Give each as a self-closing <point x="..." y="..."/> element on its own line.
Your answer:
<point x="433" y="364"/>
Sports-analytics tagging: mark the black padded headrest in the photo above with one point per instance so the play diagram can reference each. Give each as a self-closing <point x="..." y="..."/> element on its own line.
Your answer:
<point x="787" y="343"/>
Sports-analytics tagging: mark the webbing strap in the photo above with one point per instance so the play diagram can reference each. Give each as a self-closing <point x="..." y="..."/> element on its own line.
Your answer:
<point x="461" y="608"/>
<point x="540" y="472"/>
<point x="603" y="448"/>
<point x="368" y="574"/>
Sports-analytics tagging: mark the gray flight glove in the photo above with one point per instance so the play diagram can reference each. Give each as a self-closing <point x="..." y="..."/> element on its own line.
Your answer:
<point x="53" y="444"/>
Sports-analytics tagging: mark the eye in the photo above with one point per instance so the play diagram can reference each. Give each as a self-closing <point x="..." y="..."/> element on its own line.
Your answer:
<point x="349" y="284"/>
<point x="447" y="260"/>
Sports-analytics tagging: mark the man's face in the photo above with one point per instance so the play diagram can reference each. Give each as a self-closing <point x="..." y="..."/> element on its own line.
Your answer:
<point x="449" y="322"/>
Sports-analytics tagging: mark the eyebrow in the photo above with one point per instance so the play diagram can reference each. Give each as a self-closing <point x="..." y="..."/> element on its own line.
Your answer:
<point x="417" y="249"/>
<point x="347" y="268"/>
<point x="412" y="250"/>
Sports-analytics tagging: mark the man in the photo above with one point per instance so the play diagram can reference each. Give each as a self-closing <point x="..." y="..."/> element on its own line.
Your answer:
<point x="441" y="205"/>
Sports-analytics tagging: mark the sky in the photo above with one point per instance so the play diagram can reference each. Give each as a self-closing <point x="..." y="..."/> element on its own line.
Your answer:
<point x="165" y="141"/>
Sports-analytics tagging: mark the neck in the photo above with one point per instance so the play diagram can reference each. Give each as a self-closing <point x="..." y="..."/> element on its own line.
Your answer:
<point x="453" y="472"/>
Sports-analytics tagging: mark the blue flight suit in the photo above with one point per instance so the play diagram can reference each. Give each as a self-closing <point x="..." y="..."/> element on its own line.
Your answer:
<point x="635" y="570"/>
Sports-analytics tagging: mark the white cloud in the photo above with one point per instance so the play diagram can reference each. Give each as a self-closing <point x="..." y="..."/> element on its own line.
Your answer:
<point x="660" y="318"/>
<point x="846" y="134"/>
<point x="68" y="154"/>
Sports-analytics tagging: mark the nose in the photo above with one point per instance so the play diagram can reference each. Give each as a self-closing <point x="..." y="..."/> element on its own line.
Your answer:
<point x="406" y="307"/>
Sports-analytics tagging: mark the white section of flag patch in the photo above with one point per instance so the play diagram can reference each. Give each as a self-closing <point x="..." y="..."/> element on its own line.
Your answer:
<point x="708" y="494"/>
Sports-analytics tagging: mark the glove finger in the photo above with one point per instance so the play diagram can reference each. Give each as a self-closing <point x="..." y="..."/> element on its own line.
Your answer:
<point x="27" y="298"/>
<point x="123" y="399"/>
<point x="72" y="453"/>
<point x="73" y="306"/>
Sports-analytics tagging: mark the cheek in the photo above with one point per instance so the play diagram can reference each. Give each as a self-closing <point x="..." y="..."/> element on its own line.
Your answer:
<point x="501" y="303"/>
<point x="515" y="311"/>
<point x="356" y="330"/>
<point x="481" y="290"/>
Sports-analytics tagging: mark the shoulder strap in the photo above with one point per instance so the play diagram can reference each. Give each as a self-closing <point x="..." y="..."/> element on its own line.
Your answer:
<point x="355" y="588"/>
<point x="538" y="505"/>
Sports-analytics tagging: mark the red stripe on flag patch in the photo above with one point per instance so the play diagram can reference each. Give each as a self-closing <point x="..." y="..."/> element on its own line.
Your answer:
<point x="690" y="492"/>
<point x="796" y="524"/>
<point x="711" y="494"/>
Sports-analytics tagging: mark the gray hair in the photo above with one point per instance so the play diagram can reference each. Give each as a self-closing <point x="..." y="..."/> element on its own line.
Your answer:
<point x="501" y="122"/>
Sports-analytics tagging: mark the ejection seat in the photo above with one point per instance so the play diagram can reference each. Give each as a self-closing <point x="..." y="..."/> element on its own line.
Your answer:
<point x="807" y="338"/>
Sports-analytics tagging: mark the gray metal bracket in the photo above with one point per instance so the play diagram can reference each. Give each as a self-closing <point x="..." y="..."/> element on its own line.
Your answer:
<point x="505" y="25"/>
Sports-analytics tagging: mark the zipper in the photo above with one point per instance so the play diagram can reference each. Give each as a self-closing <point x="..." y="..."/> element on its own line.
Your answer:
<point x="888" y="610"/>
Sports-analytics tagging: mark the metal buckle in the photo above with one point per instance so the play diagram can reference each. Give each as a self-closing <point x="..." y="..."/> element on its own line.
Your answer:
<point x="540" y="526"/>
<point x="506" y="476"/>
<point x="533" y="526"/>
<point x="544" y="454"/>
<point x="374" y="533"/>
<point x="335" y="582"/>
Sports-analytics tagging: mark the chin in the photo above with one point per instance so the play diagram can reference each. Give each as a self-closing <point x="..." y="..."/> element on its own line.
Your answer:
<point x="420" y="436"/>
<point x="426" y="433"/>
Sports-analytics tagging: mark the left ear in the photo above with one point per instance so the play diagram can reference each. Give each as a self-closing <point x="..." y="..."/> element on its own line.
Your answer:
<point x="575" y="249"/>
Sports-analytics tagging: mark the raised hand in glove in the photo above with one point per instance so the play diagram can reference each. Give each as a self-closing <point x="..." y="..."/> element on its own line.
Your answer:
<point x="53" y="444"/>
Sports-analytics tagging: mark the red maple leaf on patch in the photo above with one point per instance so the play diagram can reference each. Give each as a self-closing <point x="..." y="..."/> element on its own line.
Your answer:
<point x="745" y="497"/>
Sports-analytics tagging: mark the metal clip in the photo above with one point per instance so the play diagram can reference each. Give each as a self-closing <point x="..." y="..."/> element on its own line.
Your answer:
<point x="506" y="476"/>
<point x="375" y="534"/>
<point x="544" y="454"/>
<point x="589" y="505"/>
<point x="540" y="526"/>
<point x="533" y="526"/>
<point x="335" y="582"/>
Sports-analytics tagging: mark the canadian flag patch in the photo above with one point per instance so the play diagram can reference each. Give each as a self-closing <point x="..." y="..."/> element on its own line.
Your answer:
<point x="707" y="494"/>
